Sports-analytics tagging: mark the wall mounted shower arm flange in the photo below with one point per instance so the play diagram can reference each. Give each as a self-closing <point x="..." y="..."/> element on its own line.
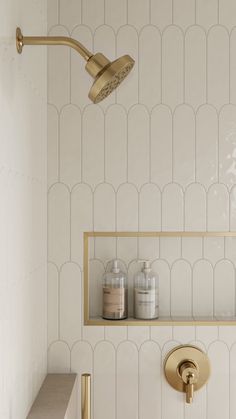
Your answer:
<point x="50" y="40"/>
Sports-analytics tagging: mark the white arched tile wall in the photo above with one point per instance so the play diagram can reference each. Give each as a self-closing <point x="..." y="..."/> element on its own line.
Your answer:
<point x="159" y="154"/>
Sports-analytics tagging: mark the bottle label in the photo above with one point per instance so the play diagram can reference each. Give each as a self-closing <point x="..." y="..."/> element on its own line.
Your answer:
<point x="146" y="303"/>
<point x="114" y="303"/>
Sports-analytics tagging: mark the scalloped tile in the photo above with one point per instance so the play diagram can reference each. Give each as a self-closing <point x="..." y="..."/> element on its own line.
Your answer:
<point x="227" y="10"/>
<point x="116" y="145"/>
<point x="52" y="145"/>
<point x="218" y="386"/>
<point x="52" y="303"/>
<point x="181" y="279"/>
<point x="138" y="335"/>
<point x="149" y="381"/>
<point x="232" y="388"/>
<point x="161" y="145"/>
<point x="93" y="334"/>
<point x="161" y="13"/>
<point x="70" y="304"/>
<point x="232" y="66"/>
<point x="213" y="249"/>
<point x="148" y="248"/>
<point x="184" y="334"/>
<point x="138" y="13"/>
<point x="105" y="248"/>
<point x="227" y="151"/>
<point x="52" y="13"/>
<point x="59" y="224"/>
<point x="127" y="381"/>
<point x="224" y="289"/>
<point x="192" y="248"/>
<point x="195" y="215"/>
<point x="127" y="208"/>
<point x="186" y="18"/>
<point x="116" y="335"/>
<point x="207" y="13"/>
<point x="218" y="70"/>
<point x="184" y="139"/>
<point x="81" y="219"/>
<point x="233" y="209"/>
<point x="93" y="146"/>
<point x="70" y="145"/>
<point x="170" y="248"/>
<point x="195" y="66"/>
<point x="206" y="145"/>
<point x="172" y="197"/>
<point x="203" y="304"/>
<point x="172" y="57"/>
<point x="149" y="208"/>
<point x="138" y="146"/>
<point x="92" y="13"/>
<point x="70" y="14"/>
<point x="150" y="66"/>
<point x="116" y="13"/>
<point x="104" y="208"/>
<point x="218" y="208"/>
<point x="104" y="385"/>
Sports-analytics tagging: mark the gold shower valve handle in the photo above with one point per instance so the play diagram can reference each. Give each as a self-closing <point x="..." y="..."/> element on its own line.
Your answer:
<point x="189" y="374"/>
<point x="187" y="369"/>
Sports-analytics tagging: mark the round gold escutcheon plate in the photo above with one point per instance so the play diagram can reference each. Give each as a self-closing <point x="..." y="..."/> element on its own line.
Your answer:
<point x="186" y="354"/>
<point x="19" y="40"/>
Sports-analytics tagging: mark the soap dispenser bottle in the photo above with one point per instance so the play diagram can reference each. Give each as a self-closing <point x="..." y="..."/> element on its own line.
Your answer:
<point x="146" y="293"/>
<point x="115" y="294"/>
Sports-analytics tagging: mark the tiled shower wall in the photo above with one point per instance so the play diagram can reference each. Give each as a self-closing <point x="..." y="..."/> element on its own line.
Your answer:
<point x="23" y="209"/>
<point x="157" y="154"/>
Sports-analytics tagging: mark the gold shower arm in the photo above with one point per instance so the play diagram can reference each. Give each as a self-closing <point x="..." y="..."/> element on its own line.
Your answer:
<point x="107" y="74"/>
<point x="51" y="40"/>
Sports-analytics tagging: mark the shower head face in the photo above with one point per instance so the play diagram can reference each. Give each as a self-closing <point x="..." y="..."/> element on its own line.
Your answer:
<point x="110" y="77"/>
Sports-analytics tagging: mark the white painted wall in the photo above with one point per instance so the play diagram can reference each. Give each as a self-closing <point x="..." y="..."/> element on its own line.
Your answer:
<point x="166" y="137"/>
<point x="22" y="209"/>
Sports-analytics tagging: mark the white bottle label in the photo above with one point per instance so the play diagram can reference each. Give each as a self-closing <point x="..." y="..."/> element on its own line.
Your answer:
<point x="146" y="303"/>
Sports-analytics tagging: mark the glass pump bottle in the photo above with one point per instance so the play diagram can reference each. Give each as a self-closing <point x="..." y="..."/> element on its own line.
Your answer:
<point x="146" y="293"/>
<point x="115" y="294"/>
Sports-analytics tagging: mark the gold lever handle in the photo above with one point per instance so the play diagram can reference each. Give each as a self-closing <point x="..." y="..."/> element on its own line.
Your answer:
<point x="189" y="375"/>
<point x="189" y="391"/>
<point x="86" y="396"/>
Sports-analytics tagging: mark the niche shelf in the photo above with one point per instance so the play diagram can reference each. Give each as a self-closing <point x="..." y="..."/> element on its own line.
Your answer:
<point x="208" y="278"/>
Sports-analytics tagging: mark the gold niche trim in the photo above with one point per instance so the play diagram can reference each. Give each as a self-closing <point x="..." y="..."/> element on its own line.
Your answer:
<point x="168" y="321"/>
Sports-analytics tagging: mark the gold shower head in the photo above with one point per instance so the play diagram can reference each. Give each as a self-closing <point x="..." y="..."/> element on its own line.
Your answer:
<point x="107" y="74"/>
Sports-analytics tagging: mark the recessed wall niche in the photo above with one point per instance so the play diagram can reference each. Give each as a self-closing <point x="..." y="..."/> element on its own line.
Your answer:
<point x="200" y="263"/>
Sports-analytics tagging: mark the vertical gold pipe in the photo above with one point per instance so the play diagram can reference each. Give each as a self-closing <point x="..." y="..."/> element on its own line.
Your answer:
<point x="86" y="396"/>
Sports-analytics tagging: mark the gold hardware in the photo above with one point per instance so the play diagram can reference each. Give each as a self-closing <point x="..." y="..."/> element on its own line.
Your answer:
<point x="107" y="74"/>
<point x="187" y="369"/>
<point x="167" y="321"/>
<point x="86" y="396"/>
